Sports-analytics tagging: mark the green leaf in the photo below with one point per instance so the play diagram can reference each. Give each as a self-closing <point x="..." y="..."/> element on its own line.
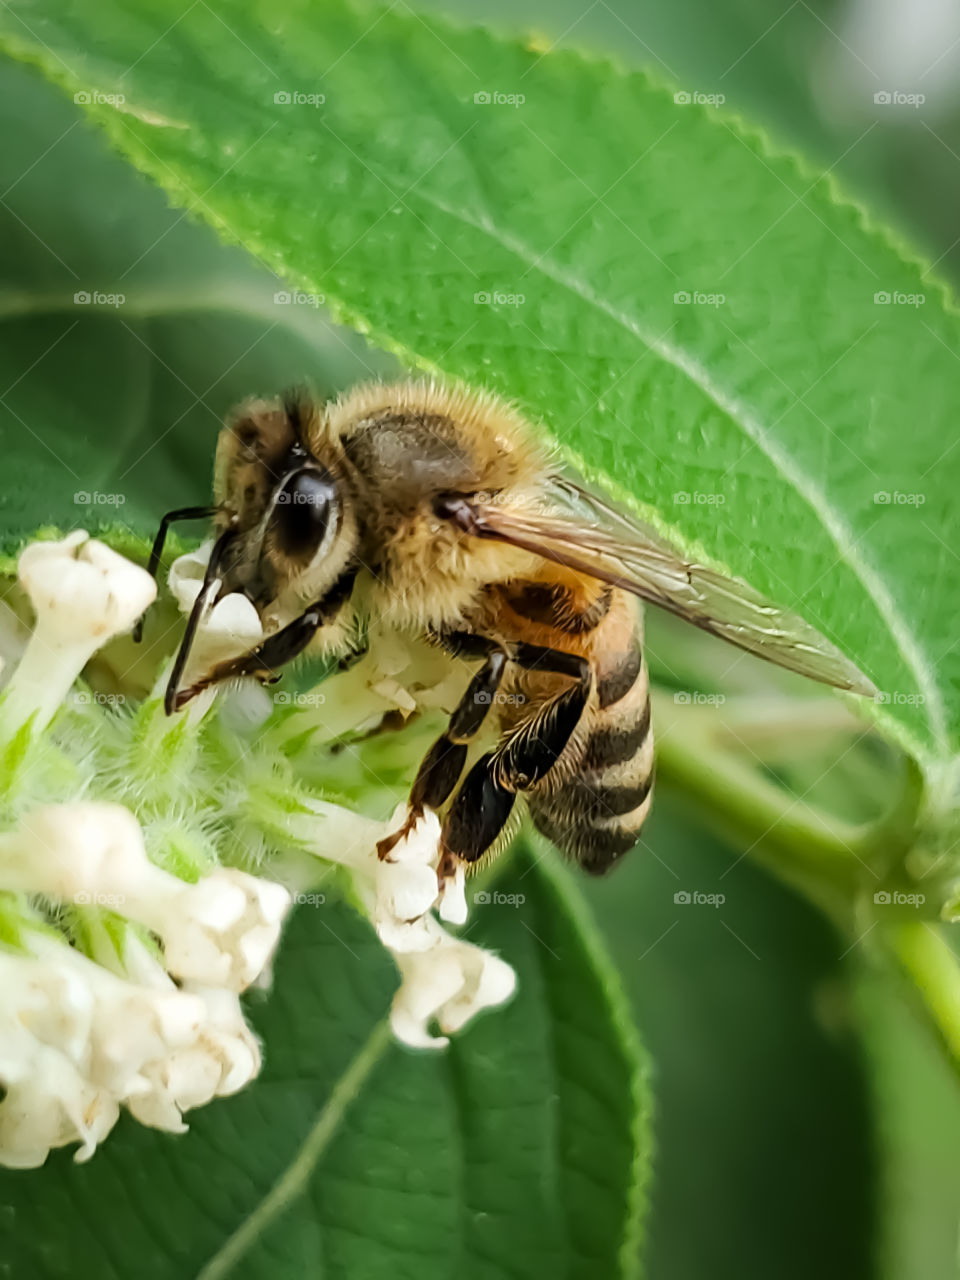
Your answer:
<point x="125" y="401"/>
<point x="744" y="1010"/>
<point x="522" y="1150"/>
<point x="780" y="413"/>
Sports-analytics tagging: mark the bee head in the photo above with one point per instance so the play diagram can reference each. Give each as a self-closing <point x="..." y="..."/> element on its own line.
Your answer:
<point x="284" y="496"/>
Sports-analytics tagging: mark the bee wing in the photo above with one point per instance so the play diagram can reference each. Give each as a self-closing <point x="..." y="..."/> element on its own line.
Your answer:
<point x="603" y="543"/>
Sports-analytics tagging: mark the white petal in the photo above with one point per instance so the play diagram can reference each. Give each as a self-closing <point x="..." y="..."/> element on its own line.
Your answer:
<point x="450" y="982"/>
<point x="495" y="984"/>
<point x="406" y="881"/>
<point x="453" y="898"/>
<point x="223" y="930"/>
<point x="430" y="979"/>
<point x="56" y="1106"/>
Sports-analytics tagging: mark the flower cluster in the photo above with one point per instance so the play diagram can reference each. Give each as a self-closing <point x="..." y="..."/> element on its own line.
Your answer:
<point x="140" y="864"/>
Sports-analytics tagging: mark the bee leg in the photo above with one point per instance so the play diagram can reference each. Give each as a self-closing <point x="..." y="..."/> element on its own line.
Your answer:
<point x="443" y="764"/>
<point x="274" y="652"/>
<point x="483" y="804"/>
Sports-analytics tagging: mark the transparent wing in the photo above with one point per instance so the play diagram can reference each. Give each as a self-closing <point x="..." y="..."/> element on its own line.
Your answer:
<point x="590" y="537"/>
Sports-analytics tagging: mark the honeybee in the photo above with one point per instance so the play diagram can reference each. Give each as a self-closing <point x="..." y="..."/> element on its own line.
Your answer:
<point x="436" y="509"/>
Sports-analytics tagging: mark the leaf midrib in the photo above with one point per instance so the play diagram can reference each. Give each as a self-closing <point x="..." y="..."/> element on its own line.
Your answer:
<point x="295" y="1177"/>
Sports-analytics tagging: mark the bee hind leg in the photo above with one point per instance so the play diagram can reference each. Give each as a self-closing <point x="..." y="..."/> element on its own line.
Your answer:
<point x="485" y="800"/>
<point x="443" y="764"/>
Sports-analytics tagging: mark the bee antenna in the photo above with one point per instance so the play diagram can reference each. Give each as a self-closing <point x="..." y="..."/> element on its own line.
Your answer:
<point x="296" y="407"/>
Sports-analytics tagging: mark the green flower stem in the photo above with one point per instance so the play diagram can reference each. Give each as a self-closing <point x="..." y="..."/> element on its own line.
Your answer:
<point x="836" y="865"/>
<point x="828" y="860"/>
<point x="924" y="955"/>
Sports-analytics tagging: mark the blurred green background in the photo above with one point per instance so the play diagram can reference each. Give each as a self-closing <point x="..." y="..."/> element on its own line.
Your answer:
<point x="775" y="1053"/>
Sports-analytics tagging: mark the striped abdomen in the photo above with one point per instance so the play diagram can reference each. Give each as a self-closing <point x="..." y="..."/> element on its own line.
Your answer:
<point x="594" y="801"/>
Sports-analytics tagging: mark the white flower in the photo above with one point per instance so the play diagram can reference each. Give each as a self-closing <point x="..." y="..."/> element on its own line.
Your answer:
<point x="449" y="982"/>
<point x="78" y="1041"/>
<point x="442" y="977"/>
<point x="83" y="594"/>
<point x="222" y="1058"/>
<point x="221" y="931"/>
<point x="406" y="883"/>
<point x="114" y="1018"/>
<point x="50" y="1106"/>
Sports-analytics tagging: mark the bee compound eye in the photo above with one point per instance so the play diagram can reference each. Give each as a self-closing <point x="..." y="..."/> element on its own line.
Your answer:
<point x="305" y="506"/>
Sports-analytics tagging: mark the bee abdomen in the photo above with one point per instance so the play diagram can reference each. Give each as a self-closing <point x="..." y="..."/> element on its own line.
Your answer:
<point x="595" y="814"/>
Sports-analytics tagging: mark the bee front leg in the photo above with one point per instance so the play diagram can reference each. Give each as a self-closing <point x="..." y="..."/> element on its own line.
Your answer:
<point x="261" y="662"/>
<point x="443" y="764"/>
<point x="271" y="654"/>
<point x="485" y="800"/>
